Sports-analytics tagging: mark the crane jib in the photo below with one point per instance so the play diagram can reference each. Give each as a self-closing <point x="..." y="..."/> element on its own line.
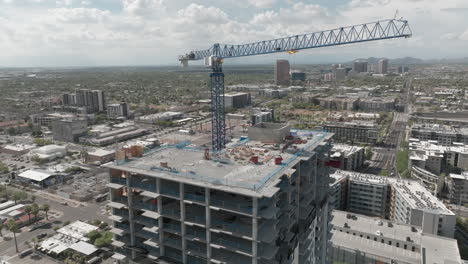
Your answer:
<point x="385" y="29"/>
<point x="380" y="30"/>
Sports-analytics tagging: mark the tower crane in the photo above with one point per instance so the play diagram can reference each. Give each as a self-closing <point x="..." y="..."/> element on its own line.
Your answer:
<point x="215" y="55"/>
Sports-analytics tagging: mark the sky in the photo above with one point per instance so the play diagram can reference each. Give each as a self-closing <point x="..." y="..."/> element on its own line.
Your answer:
<point x="65" y="33"/>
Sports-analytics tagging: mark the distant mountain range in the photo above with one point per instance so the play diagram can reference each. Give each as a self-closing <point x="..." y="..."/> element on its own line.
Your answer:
<point x="411" y="60"/>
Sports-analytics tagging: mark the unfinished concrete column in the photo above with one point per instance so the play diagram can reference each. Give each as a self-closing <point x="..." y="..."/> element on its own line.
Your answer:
<point x="182" y="222"/>
<point x="160" y="220"/>
<point x="208" y="225"/>
<point x="254" y="230"/>
<point x="130" y="214"/>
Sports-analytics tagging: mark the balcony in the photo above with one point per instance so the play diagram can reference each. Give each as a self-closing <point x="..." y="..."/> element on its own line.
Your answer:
<point x="147" y="235"/>
<point x="195" y="197"/>
<point x="115" y="186"/>
<point x="244" y="246"/>
<point x="145" y="205"/>
<point x="198" y="219"/>
<point x="173" y="254"/>
<point x="121" y="181"/>
<point x="195" y="234"/>
<point x="145" y="220"/>
<point x="118" y="231"/>
<point x="195" y="260"/>
<point x="196" y="249"/>
<point x="235" y="228"/>
<point x="170" y="188"/>
<point x="121" y="213"/>
<point x="144" y="186"/>
<point x="173" y="242"/>
<point x="172" y="213"/>
<point x="240" y="206"/>
<point x="173" y="228"/>
<point x="171" y="193"/>
<point x="225" y="256"/>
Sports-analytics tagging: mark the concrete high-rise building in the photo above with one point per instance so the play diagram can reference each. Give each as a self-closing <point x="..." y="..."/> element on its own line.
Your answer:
<point x="382" y="67"/>
<point x="98" y="102"/>
<point x="282" y="72"/>
<point x="359" y="66"/>
<point x="403" y="69"/>
<point x="193" y="206"/>
<point x="340" y="74"/>
<point x="69" y="130"/>
<point x="94" y="100"/>
<point x="117" y="110"/>
<point x="68" y="99"/>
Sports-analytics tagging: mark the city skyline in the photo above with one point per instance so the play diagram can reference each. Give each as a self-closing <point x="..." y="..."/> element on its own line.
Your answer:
<point x="154" y="32"/>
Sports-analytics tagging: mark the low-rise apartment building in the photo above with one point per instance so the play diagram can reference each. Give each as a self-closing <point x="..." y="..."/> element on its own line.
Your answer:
<point x="357" y="239"/>
<point x="352" y="132"/>
<point x="403" y="201"/>
<point x="346" y="157"/>
<point x="443" y="134"/>
<point x="458" y="187"/>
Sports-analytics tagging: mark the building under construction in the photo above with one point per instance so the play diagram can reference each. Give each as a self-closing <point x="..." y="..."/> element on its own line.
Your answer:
<point x="260" y="200"/>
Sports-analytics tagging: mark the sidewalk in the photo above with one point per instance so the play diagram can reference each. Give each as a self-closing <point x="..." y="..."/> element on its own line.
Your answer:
<point x="57" y="198"/>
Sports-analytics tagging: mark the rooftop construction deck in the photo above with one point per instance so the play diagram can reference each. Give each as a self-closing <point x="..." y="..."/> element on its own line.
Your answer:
<point x="246" y="165"/>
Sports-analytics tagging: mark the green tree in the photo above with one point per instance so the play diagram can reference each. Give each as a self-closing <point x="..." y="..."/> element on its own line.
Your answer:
<point x="28" y="210"/>
<point x="42" y="142"/>
<point x="35" y="211"/>
<point x="368" y="153"/>
<point x="3" y="168"/>
<point x="46" y="208"/>
<point x="11" y="131"/>
<point x="33" y="198"/>
<point x="17" y="196"/>
<point x="104" y="239"/>
<point x="93" y="235"/>
<point x="12" y="226"/>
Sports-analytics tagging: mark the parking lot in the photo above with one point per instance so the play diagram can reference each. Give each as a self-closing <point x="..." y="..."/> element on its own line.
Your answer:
<point x="16" y="161"/>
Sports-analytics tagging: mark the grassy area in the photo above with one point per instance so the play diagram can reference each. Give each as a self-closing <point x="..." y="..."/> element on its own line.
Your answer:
<point x="402" y="158"/>
<point x="383" y="173"/>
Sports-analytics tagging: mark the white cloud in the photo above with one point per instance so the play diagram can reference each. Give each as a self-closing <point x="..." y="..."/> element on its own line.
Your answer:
<point x="262" y="3"/>
<point x="202" y="15"/>
<point x="140" y="31"/>
<point x="79" y="15"/>
<point x="464" y="35"/>
<point x="143" y="7"/>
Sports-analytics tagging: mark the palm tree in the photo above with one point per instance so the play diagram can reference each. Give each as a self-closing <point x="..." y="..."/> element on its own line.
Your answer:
<point x="28" y="210"/>
<point x="12" y="226"/>
<point x="46" y="208"/>
<point x="35" y="211"/>
<point x="34" y="240"/>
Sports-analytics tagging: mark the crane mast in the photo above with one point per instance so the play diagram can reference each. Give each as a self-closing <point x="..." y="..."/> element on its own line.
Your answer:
<point x="214" y="56"/>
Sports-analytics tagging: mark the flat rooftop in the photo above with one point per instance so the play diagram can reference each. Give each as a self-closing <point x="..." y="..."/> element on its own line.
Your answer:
<point x="438" y="249"/>
<point x="412" y="191"/>
<point x="231" y="169"/>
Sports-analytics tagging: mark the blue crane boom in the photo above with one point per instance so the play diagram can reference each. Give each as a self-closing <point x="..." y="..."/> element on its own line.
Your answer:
<point x="380" y="30"/>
